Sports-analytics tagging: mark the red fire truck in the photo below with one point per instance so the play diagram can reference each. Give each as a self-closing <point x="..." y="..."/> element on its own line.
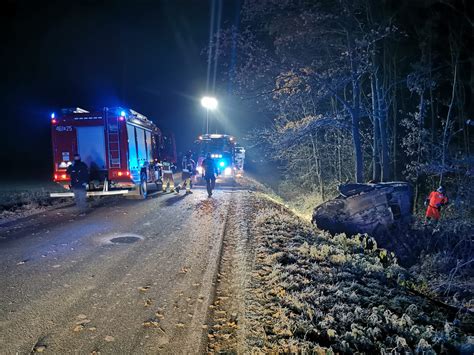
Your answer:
<point x="121" y="147"/>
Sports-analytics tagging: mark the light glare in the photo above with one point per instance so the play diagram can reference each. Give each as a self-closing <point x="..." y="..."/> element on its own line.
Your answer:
<point x="209" y="102"/>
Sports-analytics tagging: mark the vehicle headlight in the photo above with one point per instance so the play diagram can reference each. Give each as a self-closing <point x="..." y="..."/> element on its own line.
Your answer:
<point x="199" y="169"/>
<point x="228" y="171"/>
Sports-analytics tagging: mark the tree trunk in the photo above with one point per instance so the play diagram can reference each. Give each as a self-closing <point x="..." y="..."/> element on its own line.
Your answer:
<point x="355" y="112"/>
<point x="448" y="122"/>
<point x="420" y="137"/>
<point x="359" y="164"/>
<point x="376" y="171"/>
<point x="382" y="116"/>
<point x="395" y="124"/>
<point x="318" y="168"/>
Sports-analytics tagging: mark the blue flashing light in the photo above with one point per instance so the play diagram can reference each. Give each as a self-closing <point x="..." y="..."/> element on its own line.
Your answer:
<point x="53" y="115"/>
<point x="222" y="164"/>
<point x="122" y="113"/>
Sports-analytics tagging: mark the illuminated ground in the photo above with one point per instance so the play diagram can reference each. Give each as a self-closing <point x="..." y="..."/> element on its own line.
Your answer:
<point x="68" y="286"/>
<point x="237" y="273"/>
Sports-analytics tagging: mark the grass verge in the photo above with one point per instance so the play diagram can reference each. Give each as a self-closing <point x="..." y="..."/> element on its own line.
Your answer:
<point x="311" y="292"/>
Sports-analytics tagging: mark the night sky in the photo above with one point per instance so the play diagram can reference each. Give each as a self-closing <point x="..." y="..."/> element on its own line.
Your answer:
<point x="145" y="55"/>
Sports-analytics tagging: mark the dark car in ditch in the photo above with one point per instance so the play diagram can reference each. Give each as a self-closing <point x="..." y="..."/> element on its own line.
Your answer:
<point x="366" y="208"/>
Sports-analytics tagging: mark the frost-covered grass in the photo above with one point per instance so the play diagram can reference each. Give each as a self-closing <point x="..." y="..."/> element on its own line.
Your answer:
<point x="19" y="198"/>
<point x="315" y="293"/>
<point x="440" y="256"/>
<point x="446" y="260"/>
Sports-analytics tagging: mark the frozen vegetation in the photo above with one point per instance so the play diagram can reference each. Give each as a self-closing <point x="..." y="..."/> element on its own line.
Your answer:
<point x="311" y="292"/>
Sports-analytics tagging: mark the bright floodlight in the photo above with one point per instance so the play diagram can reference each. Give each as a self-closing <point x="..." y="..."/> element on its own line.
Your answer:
<point x="209" y="102"/>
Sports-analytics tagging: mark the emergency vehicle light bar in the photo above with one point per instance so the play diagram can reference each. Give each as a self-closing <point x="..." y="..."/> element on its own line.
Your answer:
<point x="73" y="110"/>
<point x="138" y="115"/>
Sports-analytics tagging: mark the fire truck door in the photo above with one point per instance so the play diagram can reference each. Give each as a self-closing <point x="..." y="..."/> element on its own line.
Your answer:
<point x="142" y="158"/>
<point x="91" y="147"/>
<point x="132" y="151"/>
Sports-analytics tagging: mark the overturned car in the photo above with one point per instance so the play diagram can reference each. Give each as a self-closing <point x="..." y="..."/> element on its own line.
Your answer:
<point x="366" y="208"/>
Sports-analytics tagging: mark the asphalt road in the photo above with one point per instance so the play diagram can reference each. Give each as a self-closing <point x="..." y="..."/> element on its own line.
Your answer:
<point x="68" y="286"/>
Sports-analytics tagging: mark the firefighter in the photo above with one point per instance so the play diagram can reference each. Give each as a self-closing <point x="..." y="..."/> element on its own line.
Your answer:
<point x="209" y="173"/>
<point x="434" y="202"/>
<point x="167" y="176"/>
<point x="79" y="173"/>
<point x="188" y="166"/>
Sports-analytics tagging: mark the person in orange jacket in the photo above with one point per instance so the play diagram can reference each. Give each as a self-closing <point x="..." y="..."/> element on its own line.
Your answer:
<point x="434" y="202"/>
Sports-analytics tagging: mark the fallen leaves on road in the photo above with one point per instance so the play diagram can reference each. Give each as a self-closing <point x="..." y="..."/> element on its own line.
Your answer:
<point x="39" y="348"/>
<point x="78" y="328"/>
<point x="83" y="321"/>
<point x="151" y="323"/>
<point x="159" y="315"/>
<point x="109" y="338"/>
<point x="144" y="288"/>
<point x="148" y="302"/>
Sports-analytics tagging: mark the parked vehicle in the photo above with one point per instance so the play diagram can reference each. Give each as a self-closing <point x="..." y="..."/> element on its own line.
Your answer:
<point x="221" y="147"/>
<point x="121" y="147"/>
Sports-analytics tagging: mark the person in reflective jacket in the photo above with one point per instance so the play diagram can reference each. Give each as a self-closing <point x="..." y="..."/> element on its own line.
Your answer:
<point x="79" y="174"/>
<point x="209" y="173"/>
<point x="434" y="202"/>
<point x="167" y="176"/>
<point x="188" y="165"/>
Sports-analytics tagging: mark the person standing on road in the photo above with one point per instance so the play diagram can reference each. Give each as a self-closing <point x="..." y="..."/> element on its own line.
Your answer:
<point x="167" y="175"/>
<point x="434" y="202"/>
<point x="188" y="166"/>
<point x="209" y="173"/>
<point x="79" y="174"/>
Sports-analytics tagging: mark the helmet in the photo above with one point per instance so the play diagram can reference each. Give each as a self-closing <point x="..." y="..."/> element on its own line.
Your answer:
<point x="441" y="189"/>
<point x="188" y="154"/>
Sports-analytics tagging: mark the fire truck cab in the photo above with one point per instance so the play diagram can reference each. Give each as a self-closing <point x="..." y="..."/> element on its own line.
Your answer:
<point x="221" y="147"/>
<point x="121" y="147"/>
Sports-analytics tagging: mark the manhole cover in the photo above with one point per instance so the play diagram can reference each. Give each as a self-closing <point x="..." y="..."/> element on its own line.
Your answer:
<point x="125" y="239"/>
<point x="114" y="239"/>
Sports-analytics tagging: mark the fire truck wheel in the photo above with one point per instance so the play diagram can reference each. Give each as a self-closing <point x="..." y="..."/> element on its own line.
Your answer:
<point x="140" y="191"/>
<point x="143" y="186"/>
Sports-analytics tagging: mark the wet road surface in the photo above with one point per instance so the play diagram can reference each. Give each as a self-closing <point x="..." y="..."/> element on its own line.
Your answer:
<point x="129" y="276"/>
